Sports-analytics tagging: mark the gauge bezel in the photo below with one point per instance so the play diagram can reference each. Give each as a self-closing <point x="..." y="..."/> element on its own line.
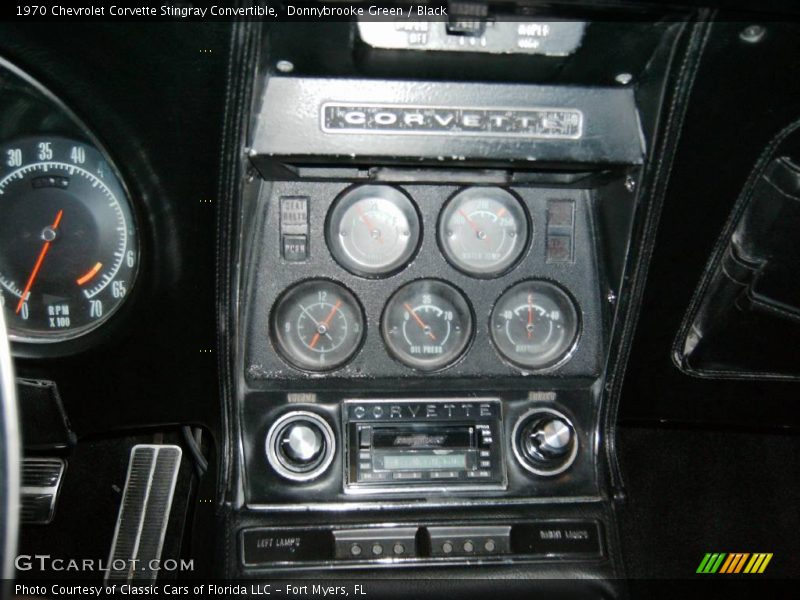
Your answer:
<point x="90" y="336"/>
<point x="530" y="233"/>
<point x="470" y="337"/>
<point x="274" y="338"/>
<point x="571" y="348"/>
<point x="340" y="256"/>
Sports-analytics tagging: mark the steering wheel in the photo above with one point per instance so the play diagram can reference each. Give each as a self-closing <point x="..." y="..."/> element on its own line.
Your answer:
<point x="9" y="459"/>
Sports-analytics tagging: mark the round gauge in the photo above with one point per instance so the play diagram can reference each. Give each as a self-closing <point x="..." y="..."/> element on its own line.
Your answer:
<point x="373" y="230"/>
<point x="483" y="231"/>
<point x="317" y="325"/>
<point x="534" y="325"/>
<point x="427" y="324"/>
<point x="68" y="246"/>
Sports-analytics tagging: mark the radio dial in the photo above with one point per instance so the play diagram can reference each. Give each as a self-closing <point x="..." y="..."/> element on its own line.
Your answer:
<point x="544" y="442"/>
<point x="548" y="439"/>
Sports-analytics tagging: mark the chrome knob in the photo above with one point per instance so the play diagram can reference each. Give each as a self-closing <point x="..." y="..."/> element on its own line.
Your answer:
<point x="549" y="438"/>
<point x="544" y="442"/>
<point x="301" y="442"/>
<point x="300" y="445"/>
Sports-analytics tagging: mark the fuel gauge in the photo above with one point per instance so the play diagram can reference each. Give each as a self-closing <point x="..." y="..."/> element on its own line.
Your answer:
<point x="373" y="230"/>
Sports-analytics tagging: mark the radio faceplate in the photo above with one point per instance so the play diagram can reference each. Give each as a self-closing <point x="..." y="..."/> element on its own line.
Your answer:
<point x="423" y="445"/>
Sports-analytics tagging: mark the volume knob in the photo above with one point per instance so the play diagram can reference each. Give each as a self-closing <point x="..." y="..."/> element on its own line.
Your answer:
<point x="300" y="446"/>
<point x="301" y="442"/>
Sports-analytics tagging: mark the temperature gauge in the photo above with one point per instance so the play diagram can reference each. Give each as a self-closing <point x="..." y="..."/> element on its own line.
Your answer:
<point x="317" y="325"/>
<point x="534" y="325"/>
<point x="483" y="231"/>
<point x="427" y="324"/>
<point x="373" y="230"/>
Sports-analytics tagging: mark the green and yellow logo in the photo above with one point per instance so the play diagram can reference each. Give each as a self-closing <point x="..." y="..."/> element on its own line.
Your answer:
<point x="735" y="562"/>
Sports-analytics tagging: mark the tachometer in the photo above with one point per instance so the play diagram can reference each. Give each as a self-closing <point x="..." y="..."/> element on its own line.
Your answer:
<point x="68" y="246"/>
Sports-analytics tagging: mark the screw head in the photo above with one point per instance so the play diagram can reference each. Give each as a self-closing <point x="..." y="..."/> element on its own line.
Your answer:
<point x="752" y="34"/>
<point x="623" y="78"/>
<point x="284" y="66"/>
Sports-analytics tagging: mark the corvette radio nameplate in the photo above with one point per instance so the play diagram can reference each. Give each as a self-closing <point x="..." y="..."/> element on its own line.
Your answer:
<point x="532" y="123"/>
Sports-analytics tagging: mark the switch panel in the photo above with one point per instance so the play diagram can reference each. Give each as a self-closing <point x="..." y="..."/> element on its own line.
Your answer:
<point x="469" y="541"/>
<point x="294" y="228"/>
<point x="376" y="543"/>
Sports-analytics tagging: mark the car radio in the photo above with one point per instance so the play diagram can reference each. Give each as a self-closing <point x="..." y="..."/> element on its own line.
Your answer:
<point x="406" y="445"/>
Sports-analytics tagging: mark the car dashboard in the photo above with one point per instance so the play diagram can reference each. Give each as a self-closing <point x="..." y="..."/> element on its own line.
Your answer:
<point x="433" y="306"/>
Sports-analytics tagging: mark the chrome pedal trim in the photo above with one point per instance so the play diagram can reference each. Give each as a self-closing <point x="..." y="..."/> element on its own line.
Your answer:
<point x="41" y="484"/>
<point x="144" y="512"/>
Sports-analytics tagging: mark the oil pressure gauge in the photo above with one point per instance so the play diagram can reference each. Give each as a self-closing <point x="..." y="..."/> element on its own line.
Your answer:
<point x="373" y="230"/>
<point x="317" y="325"/>
<point x="534" y="325"/>
<point x="427" y="324"/>
<point x="483" y="231"/>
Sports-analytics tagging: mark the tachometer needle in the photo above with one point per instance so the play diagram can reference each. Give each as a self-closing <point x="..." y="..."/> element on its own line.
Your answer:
<point x="323" y="327"/>
<point x="38" y="264"/>
<point x="420" y="322"/>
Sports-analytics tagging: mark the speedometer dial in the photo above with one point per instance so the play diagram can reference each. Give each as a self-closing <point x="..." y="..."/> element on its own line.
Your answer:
<point x="68" y="247"/>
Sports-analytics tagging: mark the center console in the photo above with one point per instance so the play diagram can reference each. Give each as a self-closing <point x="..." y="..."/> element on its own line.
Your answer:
<point x="436" y="241"/>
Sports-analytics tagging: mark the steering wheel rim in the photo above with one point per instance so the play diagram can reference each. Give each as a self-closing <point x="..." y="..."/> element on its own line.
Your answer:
<point x="9" y="458"/>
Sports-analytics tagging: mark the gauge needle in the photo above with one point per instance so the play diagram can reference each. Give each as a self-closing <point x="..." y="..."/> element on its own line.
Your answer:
<point x="324" y="324"/>
<point x="420" y="322"/>
<point x="481" y="234"/>
<point x="530" y="316"/>
<point x="363" y="216"/>
<point x="38" y="264"/>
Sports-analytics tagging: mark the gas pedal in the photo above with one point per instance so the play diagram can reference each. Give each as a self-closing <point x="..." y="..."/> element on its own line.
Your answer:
<point x="144" y="513"/>
<point x="41" y="483"/>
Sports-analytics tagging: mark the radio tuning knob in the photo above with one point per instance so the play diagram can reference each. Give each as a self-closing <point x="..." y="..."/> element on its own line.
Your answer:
<point x="544" y="442"/>
<point x="549" y="438"/>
